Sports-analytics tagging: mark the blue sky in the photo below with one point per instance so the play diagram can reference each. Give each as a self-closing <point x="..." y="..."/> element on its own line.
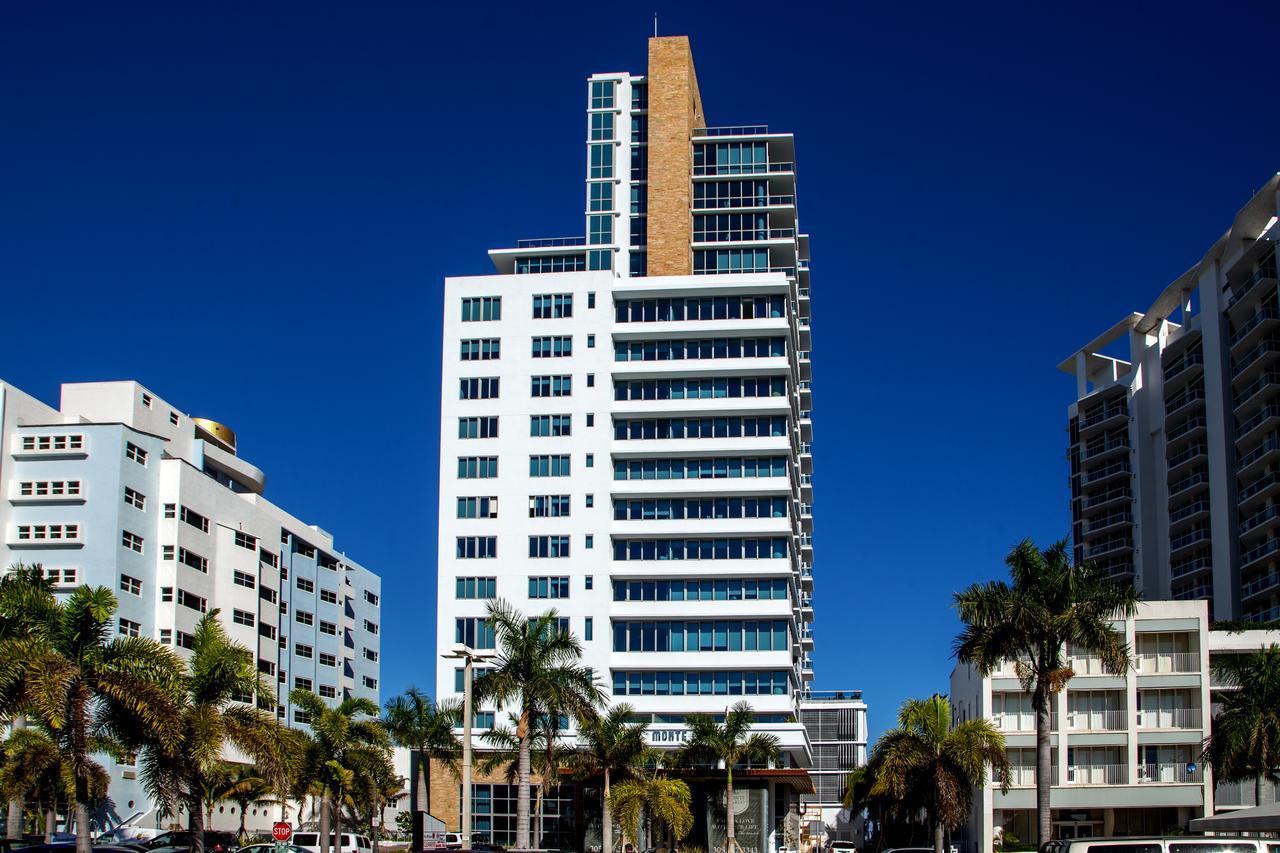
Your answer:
<point x="251" y="208"/>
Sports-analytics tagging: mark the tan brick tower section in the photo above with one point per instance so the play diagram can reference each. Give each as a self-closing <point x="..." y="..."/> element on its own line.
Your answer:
<point x="675" y="109"/>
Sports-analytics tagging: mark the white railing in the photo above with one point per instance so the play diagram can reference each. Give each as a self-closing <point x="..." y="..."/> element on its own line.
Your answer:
<point x="1097" y="774"/>
<point x="1169" y="718"/>
<point x="1157" y="773"/>
<point x="1021" y="722"/>
<point x="1021" y="776"/>
<point x="1110" y="720"/>
<point x="1149" y="662"/>
<point x="1087" y="665"/>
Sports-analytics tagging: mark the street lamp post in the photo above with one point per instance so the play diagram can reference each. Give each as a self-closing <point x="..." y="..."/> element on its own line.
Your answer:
<point x="469" y="657"/>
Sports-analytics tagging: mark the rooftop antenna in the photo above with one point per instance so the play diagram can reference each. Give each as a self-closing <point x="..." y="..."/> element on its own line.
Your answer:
<point x="655" y="24"/>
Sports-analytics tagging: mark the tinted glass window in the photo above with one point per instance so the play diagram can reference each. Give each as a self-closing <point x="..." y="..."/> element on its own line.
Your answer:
<point x="1124" y="848"/>
<point x="1210" y="847"/>
<point x="305" y="839"/>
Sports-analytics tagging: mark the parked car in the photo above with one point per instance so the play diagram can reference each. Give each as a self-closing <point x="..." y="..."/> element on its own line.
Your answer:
<point x="271" y="848"/>
<point x="1152" y="844"/>
<point x="180" y="840"/>
<point x="310" y="842"/>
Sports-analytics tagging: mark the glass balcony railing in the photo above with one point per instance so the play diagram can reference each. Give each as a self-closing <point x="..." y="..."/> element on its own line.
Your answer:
<point x="732" y="130"/>
<point x="1265" y="270"/>
<point x="1190" y="359"/>
<point x="1189" y="425"/>
<point x="1259" y="518"/>
<point x="1255" y="554"/>
<point x="1189" y="565"/>
<point x="1270" y="410"/>
<point x="1260" y="585"/>
<point x="1172" y="773"/>
<point x="550" y="242"/>
<point x="1104" y="414"/>
<point x="1187" y="397"/>
<point x="1271" y="377"/>
<point x="742" y="169"/>
<point x="1271" y="444"/>
<point x="1268" y="312"/>
<point x="1193" y="508"/>
<point x="1107" y="471"/>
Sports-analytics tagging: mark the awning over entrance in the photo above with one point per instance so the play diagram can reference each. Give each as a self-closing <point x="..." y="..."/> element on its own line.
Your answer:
<point x="797" y="778"/>
<point x="1257" y="819"/>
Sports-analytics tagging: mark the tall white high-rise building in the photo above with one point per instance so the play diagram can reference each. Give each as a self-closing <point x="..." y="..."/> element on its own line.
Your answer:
<point x="627" y="430"/>
<point x="119" y="488"/>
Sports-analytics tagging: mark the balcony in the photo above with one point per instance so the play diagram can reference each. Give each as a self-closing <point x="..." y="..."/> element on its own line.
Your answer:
<point x="1095" y="525"/>
<point x="1188" y="426"/>
<point x="711" y="169"/>
<point x="1182" y="457"/>
<point x="1099" y="474"/>
<point x="1180" y="401"/>
<point x="1100" y="498"/>
<point x="733" y="130"/>
<point x="1022" y="776"/>
<point x="1259" y="552"/>
<point x="1266" y="413"/>
<point x="1187" y="483"/>
<point x="1257" y="586"/>
<point x="1021" y="722"/>
<point x="1110" y="720"/>
<point x="1108" y="546"/>
<point x="550" y="242"/>
<point x="1097" y="774"/>
<point x="1191" y="537"/>
<point x="1187" y="361"/>
<point x="1259" y="453"/>
<point x="1187" y="511"/>
<point x="1152" y="663"/>
<point x="1093" y="451"/>
<point x="1169" y="718"/>
<point x="1190" y="565"/>
<point x="1181" y="773"/>
<point x="1259" y="518"/>
<point x="1201" y="589"/>
<point x="1248" y="392"/>
<point x="1106" y="413"/>
<point x="1266" y="270"/>
<point x="1267" y="313"/>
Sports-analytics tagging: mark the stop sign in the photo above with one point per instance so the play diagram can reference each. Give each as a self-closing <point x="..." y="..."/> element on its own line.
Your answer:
<point x="281" y="830"/>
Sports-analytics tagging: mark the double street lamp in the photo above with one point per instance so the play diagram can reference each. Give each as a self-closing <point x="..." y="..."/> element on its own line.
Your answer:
<point x="469" y="658"/>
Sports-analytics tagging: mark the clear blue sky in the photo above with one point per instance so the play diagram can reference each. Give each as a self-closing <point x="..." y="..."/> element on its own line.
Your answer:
<point x="251" y="209"/>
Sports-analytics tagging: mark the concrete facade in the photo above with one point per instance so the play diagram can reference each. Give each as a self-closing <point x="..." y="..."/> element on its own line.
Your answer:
<point x="1125" y="748"/>
<point x="119" y="488"/>
<point x="1174" y="441"/>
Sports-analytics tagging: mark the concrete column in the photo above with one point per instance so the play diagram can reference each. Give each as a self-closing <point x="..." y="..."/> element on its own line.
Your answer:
<point x="1108" y="822"/>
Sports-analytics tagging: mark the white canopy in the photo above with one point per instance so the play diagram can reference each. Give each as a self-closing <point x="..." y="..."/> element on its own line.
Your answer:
<point x="1257" y="819"/>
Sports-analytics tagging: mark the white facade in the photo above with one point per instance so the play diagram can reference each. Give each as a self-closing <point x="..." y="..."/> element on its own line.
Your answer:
<point x="1125" y="748"/>
<point x="836" y="722"/>
<point x="742" y="488"/>
<point x="118" y="488"/>
<point x="1174" y="437"/>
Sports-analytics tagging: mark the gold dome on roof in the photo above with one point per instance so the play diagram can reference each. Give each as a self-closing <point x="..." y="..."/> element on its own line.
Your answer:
<point x="220" y="433"/>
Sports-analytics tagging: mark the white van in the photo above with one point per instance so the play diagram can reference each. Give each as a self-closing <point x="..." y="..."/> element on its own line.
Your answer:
<point x="1176" y="844"/>
<point x="310" y="841"/>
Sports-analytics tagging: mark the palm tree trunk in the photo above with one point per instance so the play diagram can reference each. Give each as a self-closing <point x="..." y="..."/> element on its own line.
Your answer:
<point x="240" y="836"/>
<point x="730" y="841"/>
<point x="324" y="823"/>
<point x="78" y="722"/>
<point x="424" y="797"/>
<point x="522" y="794"/>
<point x="606" y="819"/>
<point x="195" y="822"/>
<point x="50" y="822"/>
<point x="17" y="803"/>
<point x="336" y="805"/>
<point x="938" y="838"/>
<point x="1044" y="766"/>
<point x="1257" y="790"/>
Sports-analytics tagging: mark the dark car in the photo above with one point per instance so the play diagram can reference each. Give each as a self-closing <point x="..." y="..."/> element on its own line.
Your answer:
<point x="70" y="846"/>
<point x="214" y="842"/>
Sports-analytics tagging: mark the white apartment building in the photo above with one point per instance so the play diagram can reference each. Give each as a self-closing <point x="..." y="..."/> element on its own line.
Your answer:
<point x="1175" y="436"/>
<point x="836" y="722"/>
<point x="627" y="431"/>
<point x="1125" y="748"/>
<point x="118" y="488"/>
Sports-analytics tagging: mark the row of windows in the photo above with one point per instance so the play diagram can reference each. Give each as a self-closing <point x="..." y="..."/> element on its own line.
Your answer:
<point x="53" y="443"/>
<point x="748" y="193"/>
<point x="601" y="126"/>
<point x="481" y="349"/>
<point x="600" y="229"/>
<point x="481" y="308"/>
<point x="762" y="548"/>
<point x="539" y="587"/>
<point x="54" y="489"/>
<point x="483" y="427"/>
<point x="549" y="587"/>
<point x="476" y="587"/>
<point x="664" y="509"/>
<point x="732" y="635"/>
<point x="728" y="427"/>
<point x="546" y="426"/>
<point x="474" y="631"/>
<point x="477" y="547"/>
<point x="700" y="468"/>
<point x="551" y="386"/>
<point x="548" y="306"/>
<point x="50" y="532"/>
<point x="478" y="507"/>
<point x="478" y="388"/>
<point x="600" y="196"/>
<point x="531" y="264"/>
<point x="707" y="589"/>
<point x="549" y="546"/>
<point x="705" y="388"/>
<point x="540" y="506"/>
<point x="552" y="346"/>
<point x="723" y="227"/>
<point x="718" y="683"/>
<point x="722" y="261"/>
<point x="732" y="157"/>
<point x="708" y="348"/>
<point x="549" y="506"/>
<point x="700" y="308"/>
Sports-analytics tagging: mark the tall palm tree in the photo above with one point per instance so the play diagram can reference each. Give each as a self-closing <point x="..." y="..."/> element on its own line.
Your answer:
<point x="538" y="669"/>
<point x="1245" y="739"/>
<point x="1049" y="603"/>
<point x="926" y="762"/>
<point x="86" y="686"/>
<point x="731" y="742"/>
<point x="611" y="745"/>
<point x="345" y="739"/>
<point x="547" y="755"/>
<point x="247" y="787"/>
<point x="416" y="723"/>
<point x="210" y="716"/>
<point x="655" y="798"/>
<point x="26" y="601"/>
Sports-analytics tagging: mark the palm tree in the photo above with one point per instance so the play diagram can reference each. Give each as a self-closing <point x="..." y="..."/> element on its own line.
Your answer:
<point x="655" y="798"/>
<point x="927" y="763"/>
<point x="538" y="669"/>
<point x="26" y="600"/>
<point x="210" y="716"/>
<point x="1049" y="604"/>
<point x="345" y="739"/>
<point x="416" y="723"/>
<point x="86" y="687"/>
<point x="246" y="787"/>
<point x="731" y="742"/>
<point x="610" y="745"/>
<point x="547" y="754"/>
<point x="33" y="769"/>
<point x="1245" y="739"/>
